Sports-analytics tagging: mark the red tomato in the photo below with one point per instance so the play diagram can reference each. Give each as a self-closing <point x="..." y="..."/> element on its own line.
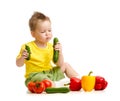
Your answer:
<point x="30" y="86"/>
<point x="47" y="83"/>
<point x="39" y="87"/>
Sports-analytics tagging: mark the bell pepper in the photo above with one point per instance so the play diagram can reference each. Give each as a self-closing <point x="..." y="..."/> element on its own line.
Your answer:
<point x="47" y="83"/>
<point x="75" y="84"/>
<point x="100" y="83"/>
<point x="36" y="87"/>
<point x="39" y="87"/>
<point x="88" y="82"/>
<point x="30" y="86"/>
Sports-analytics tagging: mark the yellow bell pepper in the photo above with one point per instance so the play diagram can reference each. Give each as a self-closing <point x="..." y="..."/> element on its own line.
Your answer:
<point x="88" y="82"/>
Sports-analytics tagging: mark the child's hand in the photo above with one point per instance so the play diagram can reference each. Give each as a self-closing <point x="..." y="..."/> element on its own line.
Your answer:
<point x="24" y="54"/>
<point x="58" y="47"/>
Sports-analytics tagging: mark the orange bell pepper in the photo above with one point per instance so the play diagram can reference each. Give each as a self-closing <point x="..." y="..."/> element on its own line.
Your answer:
<point x="88" y="82"/>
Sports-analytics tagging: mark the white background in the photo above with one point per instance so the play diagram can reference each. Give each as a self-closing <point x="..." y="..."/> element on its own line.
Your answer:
<point x="88" y="31"/>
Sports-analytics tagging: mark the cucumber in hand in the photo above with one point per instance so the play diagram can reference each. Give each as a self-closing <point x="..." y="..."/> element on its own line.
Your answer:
<point x="56" y="52"/>
<point x="28" y="51"/>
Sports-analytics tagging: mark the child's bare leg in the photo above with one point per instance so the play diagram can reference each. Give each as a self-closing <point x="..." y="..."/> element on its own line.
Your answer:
<point x="68" y="70"/>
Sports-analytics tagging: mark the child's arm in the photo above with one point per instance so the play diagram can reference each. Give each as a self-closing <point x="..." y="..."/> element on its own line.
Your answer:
<point x="20" y="59"/>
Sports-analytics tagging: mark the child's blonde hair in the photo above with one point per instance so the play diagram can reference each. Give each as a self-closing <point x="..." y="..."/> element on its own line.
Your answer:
<point x="34" y="19"/>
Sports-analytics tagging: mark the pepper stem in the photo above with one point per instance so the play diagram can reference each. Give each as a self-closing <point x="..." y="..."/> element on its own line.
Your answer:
<point x="90" y="73"/>
<point x="66" y="84"/>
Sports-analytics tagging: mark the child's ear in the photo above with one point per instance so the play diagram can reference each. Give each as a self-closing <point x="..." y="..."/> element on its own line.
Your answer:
<point x="32" y="33"/>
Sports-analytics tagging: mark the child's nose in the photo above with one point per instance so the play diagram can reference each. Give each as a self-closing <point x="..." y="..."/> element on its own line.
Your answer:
<point x="47" y="33"/>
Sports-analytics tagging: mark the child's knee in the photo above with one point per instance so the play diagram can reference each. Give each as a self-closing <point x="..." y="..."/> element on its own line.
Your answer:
<point x="65" y="66"/>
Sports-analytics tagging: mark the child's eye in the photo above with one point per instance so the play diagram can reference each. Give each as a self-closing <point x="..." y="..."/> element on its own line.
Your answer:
<point x="43" y="32"/>
<point x="49" y="30"/>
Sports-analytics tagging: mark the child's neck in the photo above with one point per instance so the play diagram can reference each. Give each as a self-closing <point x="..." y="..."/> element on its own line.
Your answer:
<point x="41" y="45"/>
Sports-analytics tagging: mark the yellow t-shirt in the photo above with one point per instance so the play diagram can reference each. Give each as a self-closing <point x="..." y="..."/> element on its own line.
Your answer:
<point x="40" y="59"/>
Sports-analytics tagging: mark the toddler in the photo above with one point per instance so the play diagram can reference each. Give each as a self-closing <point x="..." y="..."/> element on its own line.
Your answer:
<point x="39" y="66"/>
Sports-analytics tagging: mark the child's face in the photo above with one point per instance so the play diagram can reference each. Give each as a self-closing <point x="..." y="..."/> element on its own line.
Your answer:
<point x="43" y="32"/>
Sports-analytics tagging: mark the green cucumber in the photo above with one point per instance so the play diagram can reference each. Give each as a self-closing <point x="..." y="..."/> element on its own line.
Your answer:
<point x="57" y="90"/>
<point x="28" y="51"/>
<point x="56" y="52"/>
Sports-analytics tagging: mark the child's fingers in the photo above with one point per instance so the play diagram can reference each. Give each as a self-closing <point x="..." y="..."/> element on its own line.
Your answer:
<point x="58" y="46"/>
<point x="25" y="54"/>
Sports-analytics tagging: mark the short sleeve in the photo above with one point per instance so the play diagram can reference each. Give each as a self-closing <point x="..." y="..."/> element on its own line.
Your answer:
<point x="20" y="53"/>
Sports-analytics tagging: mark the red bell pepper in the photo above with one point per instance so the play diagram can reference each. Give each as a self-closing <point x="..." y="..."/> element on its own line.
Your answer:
<point x="75" y="84"/>
<point x="30" y="86"/>
<point x="47" y="83"/>
<point x="36" y="87"/>
<point x="100" y="83"/>
<point x="39" y="87"/>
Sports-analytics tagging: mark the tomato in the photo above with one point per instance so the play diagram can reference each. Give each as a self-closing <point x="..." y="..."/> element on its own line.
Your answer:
<point x="39" y="87"/>
<point x="47" y="83"/>
<point x="30" y="86"/>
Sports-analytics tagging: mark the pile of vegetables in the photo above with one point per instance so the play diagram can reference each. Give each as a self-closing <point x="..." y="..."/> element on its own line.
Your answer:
<point x="38" y="86"/>
<point x="90" y="83"/>
<point x="87" y="83"/>
<point x="45" y="86"/>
